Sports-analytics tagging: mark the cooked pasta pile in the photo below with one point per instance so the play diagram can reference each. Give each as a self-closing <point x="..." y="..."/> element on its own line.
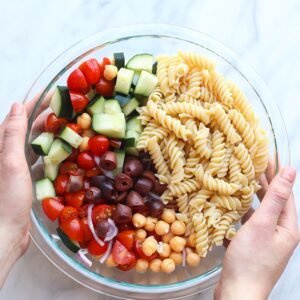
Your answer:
<point x="206" y="144"/>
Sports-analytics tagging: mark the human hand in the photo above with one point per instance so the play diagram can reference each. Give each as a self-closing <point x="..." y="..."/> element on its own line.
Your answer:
<point x="260" y="251"/>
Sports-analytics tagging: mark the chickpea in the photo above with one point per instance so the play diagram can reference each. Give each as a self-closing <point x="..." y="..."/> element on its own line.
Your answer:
<point x="177" y="257"/>
<point x="191" y="240"/>
<point x="168" y="215"/>
<point x="168" y="265"/>
<point x="138" y="220"/>
<point x="155" y="265"/>
<point x="162" y="227"/>
<point x="150" y="223"/>
<point x="110" y="72"/>
<point x="178" y="228"/>
<point x="141" y="265"/>
<point x="84" y="121"/>
<point x="166" y="238"/>
<point x="163" y="249"/>
<point x="110" y="262"/>
<point x="177" y="243"/>
<point x="88" y="132"/>
<point x="149" y="246"/>
<point x="84" y="146"/>
<point x="140" y="234"/>
<point x="193" y="259"/>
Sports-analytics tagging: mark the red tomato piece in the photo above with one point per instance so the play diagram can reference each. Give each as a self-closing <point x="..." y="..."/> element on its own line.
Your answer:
<point x="105" y="87"/>
<point x="86" y="160"/>
<point x="82" y="211"/>
<point x="121" y="255"/>
<point x="87" y="234"/>
<point x="126" y="238"/>
<point x="73" y="229"/>
<point x="74" y="155"/>
<point x="99" y="144"/>
<point x="79" y="101"/>
<point x="138" y="250"/>
<point x="101" y="212"/>
<point x="68" y="213"/>
<point x="54" y="124"/>
<point x="91" y="70"/>
<point x="58" y="199"/>
<point x="52" y="208"/>
<point x="60" y="184"/>
<point x="126" y="226"/>
<point x="106" y="61"/>
<point x="75" y="127"/>
<point x="92" y="172"/>
<point x="70" y="168"/>
<point x="77" y="83"/>
<point x="127" y="267"/>
<point x="95" y="249"/>
<point x="75" y="199"/>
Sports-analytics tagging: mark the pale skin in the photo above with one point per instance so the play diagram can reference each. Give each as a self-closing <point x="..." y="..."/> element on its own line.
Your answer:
<point x="254" y="259"/>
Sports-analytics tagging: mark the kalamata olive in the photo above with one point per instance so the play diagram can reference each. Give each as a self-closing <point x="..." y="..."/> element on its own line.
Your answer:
<point x="102" y="228"/>
<point x="136" y="203"/>
<point x="146" y="160"/>
<point x="108" y="190"/>
<point x="123" y="182"/>
<point x="143" y="186"/>
<point x="122" y="196"/>
<point x="159" y="188"/>
<point x="108" y="161"/>
<point x="155" y="208"/>
<point x="115" y="143"/>
<point x="97" y="180"/>
<point x="149" y="175"/>
<point x="154" y="196"/>
<point x="93" y="195"/>
<point x="122" y="214"/>
<point x="133" y="167"/>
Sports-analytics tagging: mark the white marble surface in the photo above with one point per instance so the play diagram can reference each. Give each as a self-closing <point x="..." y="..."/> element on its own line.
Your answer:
<point x="265" y="33"/>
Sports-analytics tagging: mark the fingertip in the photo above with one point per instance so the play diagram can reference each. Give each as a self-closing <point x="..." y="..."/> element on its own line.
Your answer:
<point x="288" y="174"/>
<point x="17" y="109"/>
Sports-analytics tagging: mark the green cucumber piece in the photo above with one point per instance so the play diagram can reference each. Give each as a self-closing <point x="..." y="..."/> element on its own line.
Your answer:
<point x="71" y="245"/>
<point x="132" y="151"/>
<point x="71" y="137"/>
<point x="120" y="154"/>
<point x="135" y="77"/>
<point x="131" y="138"/>
<point x="91" y="94"/>
<point x="130" y="106"/>
<point x="141" y="62"/>
<point x="123" y="100"/>
<point x="124" y="81"/>
<point x="61" y="103"/>
<point x="59" y="151"/>
<point x="41" y="145"/>
<point x="112" y="106"/>
<point x="146" y="84"/>
<point x="44" y="189"/>
<point x="119" y="60"/>
<point x="134" y="124"/>
<point x="96" y="106"/>
<point x="154" y="68"/>
<point x="50" y="169"/>
<point x="113" y="126"/>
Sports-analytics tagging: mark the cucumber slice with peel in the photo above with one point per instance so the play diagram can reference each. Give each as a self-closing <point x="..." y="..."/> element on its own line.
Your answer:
<point x="44" y="189"/>
<point x="141" y="62"/>
<point x="41" y="145"/>
<point x="71" y="137"/>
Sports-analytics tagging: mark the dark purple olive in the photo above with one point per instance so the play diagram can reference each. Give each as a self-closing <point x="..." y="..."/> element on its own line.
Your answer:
<point x="154" y="196"/>
<point x="123" y="182"/>
<point x="122" y="196"/>
<point x="115" y="143"/>
<point x="122" y="214"/>
<point x="143" y="186"/>
<point x="93" y="195"/>
<point x="108" y="190"/>
<point x="97" y="180"/>
<point x="149" y="175"/>
<point x="136" y="203"/>
<point x="156" y="208"/>
<point x="159" y="188"/>
<point x="133" y="167"/>
<point x="102" y="228"/>
<point x="108" y="161"/>
<point x="146" y="160"/>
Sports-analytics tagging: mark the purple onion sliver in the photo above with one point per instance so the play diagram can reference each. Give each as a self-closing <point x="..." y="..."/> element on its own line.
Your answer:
<point x="91" y="225"/>
<point x="97" y="160"/>
<point x="108" y="174"/>
<point x="112" y="232"/>
<point x="154" y="196"/>
<point x="107" y="253"/>
<point x="80" y="257"/>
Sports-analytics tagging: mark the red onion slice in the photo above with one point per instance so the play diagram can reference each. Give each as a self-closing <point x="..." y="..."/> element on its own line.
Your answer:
<point x="184" y="257"/>
<point x="107" y="253"/>
<point x="112" y="232"/>
<point x="91" y="225"/>
<point x="108" y="174"/>
<point x="75" y="184"/>
<point x="80" y="257"/>
<point x="97" y="160"/>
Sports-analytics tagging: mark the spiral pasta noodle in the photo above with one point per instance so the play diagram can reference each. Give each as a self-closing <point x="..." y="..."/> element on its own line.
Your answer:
<point x="200" y="229"/>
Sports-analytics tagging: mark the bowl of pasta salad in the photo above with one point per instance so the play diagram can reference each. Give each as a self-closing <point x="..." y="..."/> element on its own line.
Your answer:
<point x="146" y="145"/>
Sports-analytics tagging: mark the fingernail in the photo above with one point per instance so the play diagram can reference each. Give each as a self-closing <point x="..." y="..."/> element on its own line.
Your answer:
<point x="288" y="174"/>
<point x="16" y="109"/>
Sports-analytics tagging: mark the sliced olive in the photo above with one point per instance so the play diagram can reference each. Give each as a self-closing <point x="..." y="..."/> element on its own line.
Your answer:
<point x="143" y="186"/>
<point x="122" y="214"/>
<point x="123" y="182"/>
<point x="159" y="188"/>
<point x="102" y="228"/>
<point x="156" y="208"/>
<point x="108" y="161"/>
<point x="133" y="167"/>
<point x="93" y="195"/>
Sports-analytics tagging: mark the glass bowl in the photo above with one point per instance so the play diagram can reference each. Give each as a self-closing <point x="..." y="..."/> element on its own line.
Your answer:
<point x="155" y="39"/>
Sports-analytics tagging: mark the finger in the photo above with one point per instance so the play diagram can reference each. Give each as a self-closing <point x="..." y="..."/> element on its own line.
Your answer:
<point x="271" y="170"/>
<point x="264" y="187"/>
<point x="276" y="197"/>
<point x="247" y="215"/>
<point x="29" y="106"/>
<point x="288" y="218"/>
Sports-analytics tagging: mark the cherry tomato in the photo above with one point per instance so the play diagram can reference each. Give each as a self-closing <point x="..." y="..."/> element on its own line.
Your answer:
<point x="92" y="172"/>
<point x="59" y="199"/>
<point x="60" y="184"/>
<point x="101" y="212"/>
<point x="87" y="234"/>
<point x="121" y="255"/>
<point x="105" y="87"/>
<point x="138" y="250"/>
<point x="73" y="229"/>
<point x="70" y="168"/>
<point x="75" y="199"/>
<point x="127" y="267"/>
<point x="75" y="127"/>
<point x="82" y="211"/>
<point x="86" y="160"/>
<point x="54" y="124"/>
<point x="126" y="238"/>
<point x="77" y="83"/>
<point x="68" y="213"/>
<point x="52" y="208"/>
<point x="95" y="249"/>
<point x="91" y="70"/>
<point x="99" y="144"/>
<point x="74" y="155"/>
<point x="79" y="101"/>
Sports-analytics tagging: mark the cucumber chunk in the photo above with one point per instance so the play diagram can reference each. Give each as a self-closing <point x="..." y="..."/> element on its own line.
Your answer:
<point x="146" y="84"/>
<point x="59" y="151"/>
<point x="71" y="245"/>
<point x="61" y="103"/>
<point x="50" y="169"/>
<point x="71" y="137"/>
<point x="120" y="154"/>
<point x="141" y="62"/>
<point x="131" y="138"/>
<point x="132" y="151"/>
<point x="112" y="107"/>
<point x="130" y="106"/>
<point x="91" y="94"/>
<point x="113" y="126"/>
<point x="119" y="60"/>
<point x="96" y="106"/>
<point x="136" y="77"/>
<point x="44" y="189"/>
<point x="154" y="68"/>
<point x="123" y="100"/>
<point x="41" y="145"/>
<point x="134" y="124"/>
<point x="124" y="80"/>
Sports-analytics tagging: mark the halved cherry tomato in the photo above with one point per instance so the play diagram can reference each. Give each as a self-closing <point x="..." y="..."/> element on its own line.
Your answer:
<point x="126" y="238"/>
<point x="79" y="101"/>
<point x="87" y="234"/>
<point x="70" y="168"/>
<point x="75" y="127"/>
<point x="99" y="144"/>
<point x="138" y="250"/>
<point x="95" y="249"/>
<point x="86" y="160"/>
<point x="105" y="87"/>
<point x="52" y="208"/>
<point x="61" y="200"/>
<point x="121" y="255"/>
<point x="75" y="199"/>
<point x="73" y="229"/>
<point x="91" y="70"/>
<point x="74" y="155"/>
<point x="127" y="267"/>
<point x="60" y="184"/>
<point x="92" y="172"/>
<point x="82" y="211"/>
<point x="106" y="61"/>
<point x="54" y="124"/>
<point x="77" y="83"/>
<point x="101" y="212"/>
<point x="68" y="213"/>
